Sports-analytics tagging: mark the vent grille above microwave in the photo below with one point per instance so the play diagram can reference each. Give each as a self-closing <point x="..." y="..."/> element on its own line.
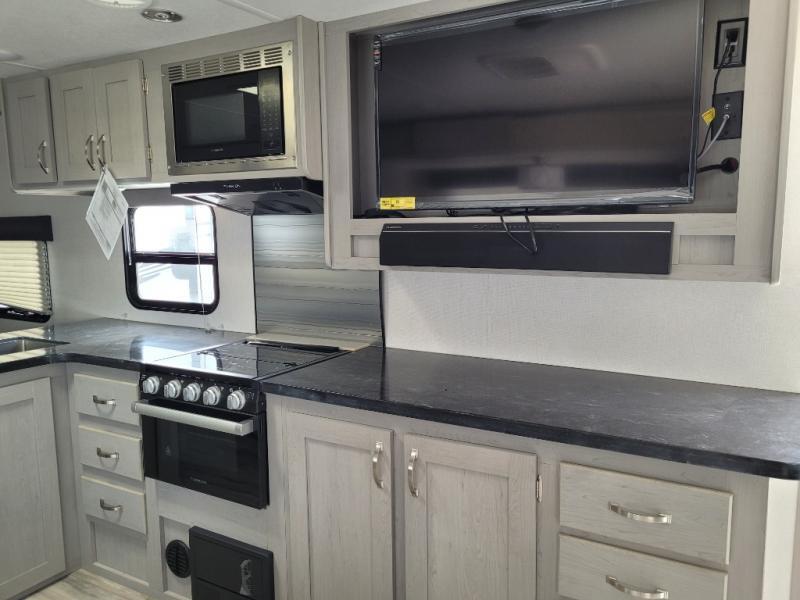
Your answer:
<point x="210" y="66"/>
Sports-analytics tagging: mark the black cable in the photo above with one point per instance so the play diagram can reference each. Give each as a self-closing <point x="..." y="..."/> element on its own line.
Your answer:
<point x="514" y="239"/>
<point x="534" y="245"/>
<point x="380" y="308"/>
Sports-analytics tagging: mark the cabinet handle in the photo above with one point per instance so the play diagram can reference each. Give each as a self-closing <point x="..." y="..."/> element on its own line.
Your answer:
<point x="634" y="592"/>
<point x="376" y="464"/>
<point x="40" y="156"/>
<point x="102" y="454"/>
<point x="658" y="518"/>
<point x="88" y="151"/>
<point x="412" y="473"/>
<point x="110" y="507"/>
<point x="101" y="150"/>
<point x="103" y="401"/>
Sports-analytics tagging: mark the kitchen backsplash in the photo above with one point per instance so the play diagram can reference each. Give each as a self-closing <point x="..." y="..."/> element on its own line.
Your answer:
<point x="296" y="293"/>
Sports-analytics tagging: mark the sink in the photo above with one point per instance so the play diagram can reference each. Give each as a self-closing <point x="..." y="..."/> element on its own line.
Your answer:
<point x="21" y="344"/>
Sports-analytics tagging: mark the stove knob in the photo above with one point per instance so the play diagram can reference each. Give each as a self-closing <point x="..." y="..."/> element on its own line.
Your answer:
<point x="151" y="385"/>
<point x="172" y="389"/>
<point x="192" y="392"/>
<point x="212" y="395"/>
<point x="237" y="400"/>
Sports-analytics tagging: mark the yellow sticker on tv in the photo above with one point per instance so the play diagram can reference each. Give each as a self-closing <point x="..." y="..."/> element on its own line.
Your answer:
<point x="398" y="203"/>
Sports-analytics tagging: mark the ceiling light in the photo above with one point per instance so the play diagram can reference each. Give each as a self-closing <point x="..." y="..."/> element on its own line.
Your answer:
<point x="137" y="4"/>
<point x="161" y="15"/>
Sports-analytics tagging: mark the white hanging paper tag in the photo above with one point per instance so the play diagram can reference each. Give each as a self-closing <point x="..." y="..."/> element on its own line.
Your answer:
<point x="107" y="212"/>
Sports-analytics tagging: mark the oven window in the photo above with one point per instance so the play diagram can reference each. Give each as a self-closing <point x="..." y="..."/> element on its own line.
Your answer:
<point x="230" y="116"/>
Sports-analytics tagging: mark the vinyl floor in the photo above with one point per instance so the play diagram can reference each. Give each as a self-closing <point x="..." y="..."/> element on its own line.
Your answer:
<point x="82" y="585"/>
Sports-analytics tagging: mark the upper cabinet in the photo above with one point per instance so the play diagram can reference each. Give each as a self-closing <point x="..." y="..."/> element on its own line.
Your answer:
<point x="30" y="133"/>
<point x="99" y="119"/>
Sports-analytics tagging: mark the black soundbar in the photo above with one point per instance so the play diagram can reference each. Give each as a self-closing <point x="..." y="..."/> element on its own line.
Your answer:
<point x="638" y="248"/>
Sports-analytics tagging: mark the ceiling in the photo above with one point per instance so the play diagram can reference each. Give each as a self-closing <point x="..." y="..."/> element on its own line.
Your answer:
<point x="53" y="33"/>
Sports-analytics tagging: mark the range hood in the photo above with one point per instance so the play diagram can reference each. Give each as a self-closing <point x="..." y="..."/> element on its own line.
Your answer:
<point x="275" y="196"/>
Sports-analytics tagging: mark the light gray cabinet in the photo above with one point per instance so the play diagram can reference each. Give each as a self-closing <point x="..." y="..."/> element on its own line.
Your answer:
<point x="99" y="119"/>
<point x="75" y="124"/>
<point x="340" y="510"/>
<point x="470" y="521"/>
<point x="30" y="133"/>
<point x="109" y="478"/>
<point x="31" y="535"/>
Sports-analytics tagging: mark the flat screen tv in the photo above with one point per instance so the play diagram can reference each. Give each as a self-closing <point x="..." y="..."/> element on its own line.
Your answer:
<point x="542" y="104"/>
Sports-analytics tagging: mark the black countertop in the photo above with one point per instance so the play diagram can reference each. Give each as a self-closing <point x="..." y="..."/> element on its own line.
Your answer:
<point x="111" y="343"/>
<point x="736" y="429"/>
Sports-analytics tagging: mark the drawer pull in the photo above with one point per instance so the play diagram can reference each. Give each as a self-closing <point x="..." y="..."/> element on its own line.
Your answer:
<point x="103" y="401"/>
<point x="636" y="592"/>
<point x="102" y="454"/>
<point x="110" y="507"/>
<point x="659" y="518"/>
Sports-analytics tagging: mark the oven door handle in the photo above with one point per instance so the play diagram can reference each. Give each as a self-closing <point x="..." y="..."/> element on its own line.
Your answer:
<point x="239" y="428"/>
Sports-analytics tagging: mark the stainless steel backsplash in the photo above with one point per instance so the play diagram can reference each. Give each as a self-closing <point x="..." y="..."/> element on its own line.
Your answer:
<point x="296" y="293"/>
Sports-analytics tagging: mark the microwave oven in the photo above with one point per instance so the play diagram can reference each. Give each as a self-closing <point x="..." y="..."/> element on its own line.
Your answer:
<point x="231" y="112"/>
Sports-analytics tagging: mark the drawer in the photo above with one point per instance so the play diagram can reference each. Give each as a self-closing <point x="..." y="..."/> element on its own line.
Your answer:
<point x="592" y="571"/>
<point x="125" y="451"/>
<point x="124" y="507"/>
<point x="684" y="519"/>
<point x="106" y="398"/>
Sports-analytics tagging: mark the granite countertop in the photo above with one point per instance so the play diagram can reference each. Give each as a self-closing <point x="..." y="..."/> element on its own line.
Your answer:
<point x="111" y="343"/>
<point x="736" y="429"/>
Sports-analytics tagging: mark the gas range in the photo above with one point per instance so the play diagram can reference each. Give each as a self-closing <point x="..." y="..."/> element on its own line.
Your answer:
<point x="204" y="416"/>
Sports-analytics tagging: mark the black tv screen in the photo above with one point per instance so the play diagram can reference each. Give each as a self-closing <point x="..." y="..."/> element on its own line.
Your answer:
<point x="546" y="104"/>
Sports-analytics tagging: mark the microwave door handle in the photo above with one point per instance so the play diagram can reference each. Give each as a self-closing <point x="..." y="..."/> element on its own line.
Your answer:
<point x="238" y="428"/>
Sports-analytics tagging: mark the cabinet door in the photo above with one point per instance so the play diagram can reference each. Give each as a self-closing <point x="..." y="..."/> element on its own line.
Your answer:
<point x="31" y="538"/>
<point x="121" y="119"/>
<point x="30" y="132"/>
<point x="74" y="125"/>
<point x="340" y="510"/>
<point x="470" y="522"/>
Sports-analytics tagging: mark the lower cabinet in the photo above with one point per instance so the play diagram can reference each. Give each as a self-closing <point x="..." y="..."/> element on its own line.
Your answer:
<point x="469" y="513"/>
<point x="470" y="521"/>
<point x="109" y="477"/>
<point x="31" y="535"/>
<point x="340" y="510"/>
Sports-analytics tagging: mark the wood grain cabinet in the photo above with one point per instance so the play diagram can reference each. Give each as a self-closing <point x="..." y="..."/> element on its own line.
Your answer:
<point x="99" y="119"/>
<point x="109" y="477"/>
<point x="470" y="521"/>
<point x="31" y="535"/>
<point x="30" y="132"/>
<point x="340" y="510"/>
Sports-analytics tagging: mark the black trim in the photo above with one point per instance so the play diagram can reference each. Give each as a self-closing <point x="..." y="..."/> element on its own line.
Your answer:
<point x="19" y="229"/>
<point x="133" y="258"/>
<point x="22" y="314"/>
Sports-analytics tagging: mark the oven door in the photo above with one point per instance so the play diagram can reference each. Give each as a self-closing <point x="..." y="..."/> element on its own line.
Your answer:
<point x="218" y="453"/>
<point x="236" y="116"/>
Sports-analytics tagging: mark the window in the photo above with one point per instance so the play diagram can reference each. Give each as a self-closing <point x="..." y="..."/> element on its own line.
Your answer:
<point x="171" y="259"/>
<point x="25" y="281"/>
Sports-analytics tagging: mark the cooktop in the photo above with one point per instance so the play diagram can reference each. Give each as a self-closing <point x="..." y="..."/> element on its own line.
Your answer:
<point x="249" y="359"/>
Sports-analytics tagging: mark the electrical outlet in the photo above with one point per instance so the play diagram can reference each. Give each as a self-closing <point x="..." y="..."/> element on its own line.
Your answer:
<point x="731" y="104"/>
<point x="733" y="32"/>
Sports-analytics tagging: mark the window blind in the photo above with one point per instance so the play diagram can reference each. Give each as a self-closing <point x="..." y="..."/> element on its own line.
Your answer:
<point x="25" y="277"/>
